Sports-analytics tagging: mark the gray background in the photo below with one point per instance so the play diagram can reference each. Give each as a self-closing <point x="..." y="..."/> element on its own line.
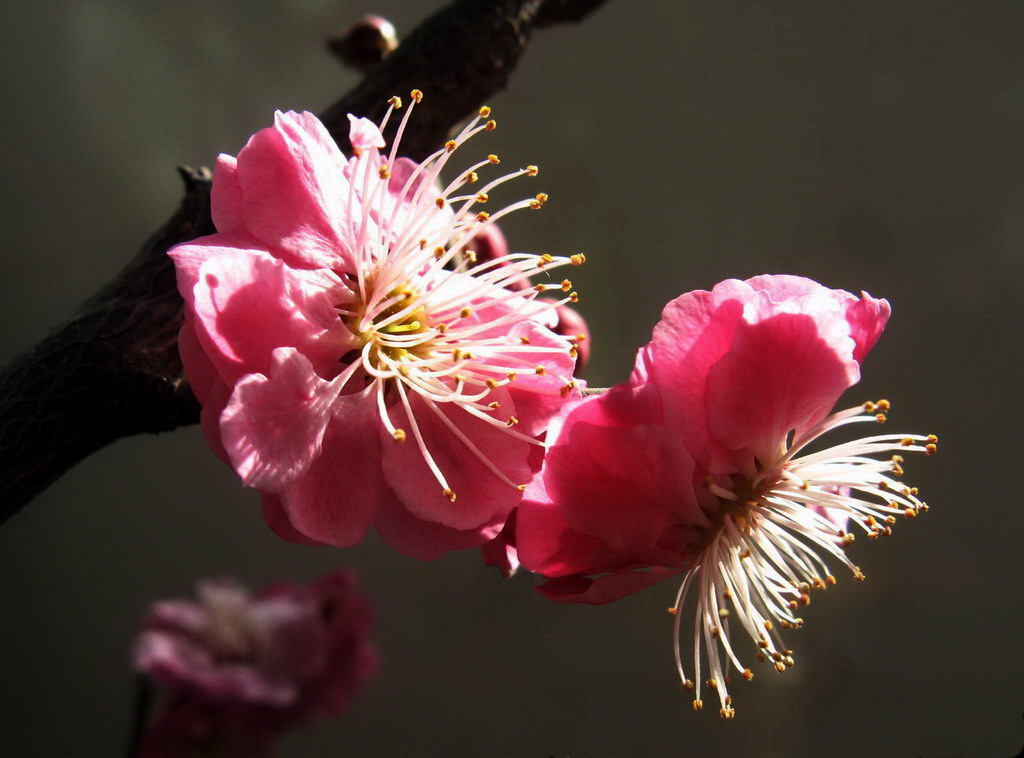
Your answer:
<point x="872" y="145"/>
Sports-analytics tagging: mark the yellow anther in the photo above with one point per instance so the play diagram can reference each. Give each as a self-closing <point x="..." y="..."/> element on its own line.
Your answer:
<point x="578" y="259"/>
<point x="761" y="657"/>
<point x="880" y="418"/>
<point x="399" y="435"/>
<point x="472" y="176"/>
<point x="698" y="704"/>
<point x="763" y="644"/>
<point x="423" y="244"/>
<point x="492" y="158"/>
<point x="439" y="252"/>
<point x="910" y="513"/>
<point x="512" y="421"/>
<point x="830" y="579"/>
<point x="858" y="575"/>
<point x="532" y="170"/>
<point x="540" y="371"/>
<point x="521" y="487"/>
<point x="395" y="102"/>
<point x="525" y="340"/>
<point x="495" y="405"/>
<point x="470" y="255"/>
<point x="491" y="125"/>
<point x="485" y="111"/>
<point x="711" y="683"/>
<point x="688" y="684"/>
<point x="897" y="459"/>
<point x="450" y="494"/>
<point x="491" y="384"/>
<point x="450" y="145"/>
<point x="441" y="328"/>
<point x="482" y="216"/>
<point x="767" y="625"/>
<point x="539" y="287"/>
<point x="883" y="405"/>
<point x="546" y="258"/>
<point x="890" y="520"/>
<point x="913" y="491"/>
<point x="440" y="202"/>
<point x="780" y="667"/>
<point x="465" y="312"/>
<point x="727" y="713"/>
<point x="384" y="172"/>
<point x="574" y="352"/>
<point x="748" y="674"/>
<point x="566" y="285"/>
<point x="906" y="442"/>
<point x="482" y="197"/>
<point x="672" y="612"/>
<point x="930" y="448"/>
<point x="511" y="376"/>
<point x="416" y="95"/>
<point x="574" y="297"/>
<point x="932" y="439"/>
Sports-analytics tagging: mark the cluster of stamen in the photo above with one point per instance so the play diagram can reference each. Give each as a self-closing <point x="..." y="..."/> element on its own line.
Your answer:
<point x="417" y="289"/>
<point x="764" y="553"/>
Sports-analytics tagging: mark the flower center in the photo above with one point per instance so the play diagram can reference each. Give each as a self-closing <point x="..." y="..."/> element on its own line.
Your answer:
<point x="765" y="547"/>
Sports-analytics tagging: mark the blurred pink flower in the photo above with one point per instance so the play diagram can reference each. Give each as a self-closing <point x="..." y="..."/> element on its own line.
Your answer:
<point x="354" y="360"/>
<point x="240" y="669"/>
<point x="697" y="465"/>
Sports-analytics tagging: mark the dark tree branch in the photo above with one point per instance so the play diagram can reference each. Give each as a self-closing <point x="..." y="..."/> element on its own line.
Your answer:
<point x="114" y="371"/>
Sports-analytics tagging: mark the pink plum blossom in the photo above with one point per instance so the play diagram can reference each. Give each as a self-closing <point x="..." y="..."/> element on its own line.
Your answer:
<point x="239" y="669"/>
<point x="354" y="360"/>
<point x="699" y="465"/>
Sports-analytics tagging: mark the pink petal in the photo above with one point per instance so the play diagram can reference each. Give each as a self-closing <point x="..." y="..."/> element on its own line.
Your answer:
<point x="276" y="518"/>
<point x="272" y="426"/>
<point x="335" y="501"/>
<point x="605" y="589"/>
<point x="692" y="336"/>
<point x="867" y="317"/>
<point x="427" y="540"/>
<point x="481" y="495"/>
<point x="226" y="196"/>
<point x="754" y="398"/>
<point x="363" y="133"/>
<point x="294" y="190"/>
<point x="636" y="496"/>
<point x="201" y="373"/>
<point x="209" y="418"/>
<point x="248" y="303"/>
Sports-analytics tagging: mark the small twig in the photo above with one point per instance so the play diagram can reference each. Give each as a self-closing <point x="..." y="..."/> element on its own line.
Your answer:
<point x="142" y="705"/>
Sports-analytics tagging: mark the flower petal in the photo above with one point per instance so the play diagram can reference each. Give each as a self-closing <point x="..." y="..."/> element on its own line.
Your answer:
<point x="335" y="501"/>
<point x="428" y="540"/>
<point x="604" y="589"/>
<point x="272" y="426"/>
<point x="481" y="495"/>
<point x="226" y="197"/>
<point x="754" y="399"/>
<point x="248" y="303"/>
<point x="294" y="190"/>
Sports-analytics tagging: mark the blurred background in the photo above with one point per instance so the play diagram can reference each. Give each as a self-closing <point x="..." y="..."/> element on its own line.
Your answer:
<point x="870" y="145"/>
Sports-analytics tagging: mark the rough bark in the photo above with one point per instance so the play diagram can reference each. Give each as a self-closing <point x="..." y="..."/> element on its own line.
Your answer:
<point x="113" y="370"/>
